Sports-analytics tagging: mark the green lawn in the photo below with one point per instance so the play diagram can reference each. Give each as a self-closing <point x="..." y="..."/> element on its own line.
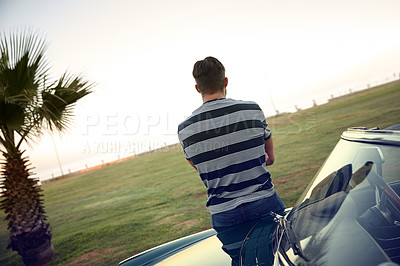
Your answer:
<point x="104" y="216"/>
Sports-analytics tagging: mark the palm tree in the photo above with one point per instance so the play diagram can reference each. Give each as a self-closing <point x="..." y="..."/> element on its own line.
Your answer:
<point x="29" y="106"/>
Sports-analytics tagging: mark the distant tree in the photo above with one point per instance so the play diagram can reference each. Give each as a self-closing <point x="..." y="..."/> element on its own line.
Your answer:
<point x="314" y="103"/>
<point x="29" y="105"/>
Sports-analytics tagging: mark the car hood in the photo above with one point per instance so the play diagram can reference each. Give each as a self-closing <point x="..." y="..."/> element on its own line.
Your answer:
<point x="247" y="242"/>
<point x="206" y="252"/>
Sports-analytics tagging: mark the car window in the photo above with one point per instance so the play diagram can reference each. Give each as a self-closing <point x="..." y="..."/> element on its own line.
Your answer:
<point x="385" y="161"/>
<point x="355" y="191"/>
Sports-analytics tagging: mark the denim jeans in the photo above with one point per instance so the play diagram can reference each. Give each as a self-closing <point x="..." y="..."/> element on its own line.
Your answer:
<point x="249" y="211"/>
<point x="249" y="243"/>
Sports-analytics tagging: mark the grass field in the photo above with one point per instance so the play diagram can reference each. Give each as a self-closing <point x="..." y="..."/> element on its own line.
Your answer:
<point x="104" y="216"/>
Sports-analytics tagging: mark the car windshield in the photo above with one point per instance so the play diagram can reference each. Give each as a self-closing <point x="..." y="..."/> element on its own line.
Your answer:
<point x="352" y="201"/>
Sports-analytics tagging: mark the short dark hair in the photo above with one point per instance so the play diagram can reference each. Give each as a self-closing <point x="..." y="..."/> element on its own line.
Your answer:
<point x="209" y="75"/>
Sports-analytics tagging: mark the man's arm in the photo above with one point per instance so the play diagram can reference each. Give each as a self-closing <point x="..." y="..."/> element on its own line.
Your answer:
<point x="269" y="151"/>
<point x="192" y="164"/>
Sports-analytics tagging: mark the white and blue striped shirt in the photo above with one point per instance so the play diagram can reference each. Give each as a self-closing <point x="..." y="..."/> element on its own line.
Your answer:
<point x="224" y="138"/>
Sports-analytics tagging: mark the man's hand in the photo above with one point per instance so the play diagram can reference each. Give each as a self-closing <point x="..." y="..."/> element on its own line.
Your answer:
<point x="269" y="152"/>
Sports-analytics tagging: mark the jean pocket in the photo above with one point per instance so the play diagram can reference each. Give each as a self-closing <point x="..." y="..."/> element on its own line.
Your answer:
<point x="222" y="220"/>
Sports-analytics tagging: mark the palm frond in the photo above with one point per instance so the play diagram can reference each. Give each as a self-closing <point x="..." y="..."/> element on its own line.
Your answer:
<point x="18" y="43"/>
<point x="59" y="101"/>
<point x="22" y="66"/>
<point x="28" y="102"/>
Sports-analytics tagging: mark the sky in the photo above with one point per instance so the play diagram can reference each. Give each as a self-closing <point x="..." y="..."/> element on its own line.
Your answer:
<point x="140" y="55"/>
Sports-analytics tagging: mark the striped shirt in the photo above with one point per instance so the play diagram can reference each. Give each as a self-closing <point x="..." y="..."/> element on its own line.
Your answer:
<point x="224" y="138"/>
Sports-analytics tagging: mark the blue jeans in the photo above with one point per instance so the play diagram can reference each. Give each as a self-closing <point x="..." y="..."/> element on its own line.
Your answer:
<point x="249" y="243"/>
<point x="249" y="211"/>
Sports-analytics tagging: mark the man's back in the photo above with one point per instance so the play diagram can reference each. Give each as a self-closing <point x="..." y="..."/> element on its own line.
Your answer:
<point x="225" y="139"/>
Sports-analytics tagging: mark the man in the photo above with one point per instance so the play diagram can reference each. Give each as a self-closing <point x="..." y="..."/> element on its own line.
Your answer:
<point x="229" y="143"/>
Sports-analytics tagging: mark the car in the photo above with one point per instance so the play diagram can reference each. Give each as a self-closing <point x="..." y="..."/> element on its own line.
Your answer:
<point x="348" y="215"/>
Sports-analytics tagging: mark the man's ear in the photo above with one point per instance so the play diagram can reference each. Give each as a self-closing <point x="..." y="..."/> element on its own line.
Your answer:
<point x="226" y="82"/>
<point x="197" y="88"/>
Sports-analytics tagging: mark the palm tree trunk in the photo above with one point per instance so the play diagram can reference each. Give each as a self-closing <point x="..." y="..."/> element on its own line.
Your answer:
<point x="22" y="202"/>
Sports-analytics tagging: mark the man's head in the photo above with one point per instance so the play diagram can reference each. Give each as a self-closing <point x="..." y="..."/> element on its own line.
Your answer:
<point x="209" y="75"/>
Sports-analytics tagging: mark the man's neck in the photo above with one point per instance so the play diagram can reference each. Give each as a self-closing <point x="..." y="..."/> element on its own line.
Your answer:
<point x="210" y="97"/>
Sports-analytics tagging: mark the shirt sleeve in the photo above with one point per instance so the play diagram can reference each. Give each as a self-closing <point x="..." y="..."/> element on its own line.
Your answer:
<point x="186" y="156"/>
<point x="267" y="130"/>
<point x="183" y="148"/>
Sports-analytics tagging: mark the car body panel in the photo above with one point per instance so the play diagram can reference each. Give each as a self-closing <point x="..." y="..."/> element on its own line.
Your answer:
<point x="162" y="252"/>
<point x="206" y="252"/>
